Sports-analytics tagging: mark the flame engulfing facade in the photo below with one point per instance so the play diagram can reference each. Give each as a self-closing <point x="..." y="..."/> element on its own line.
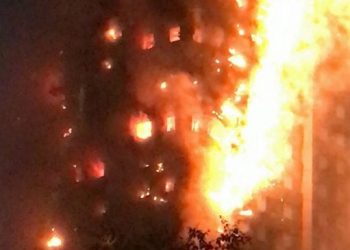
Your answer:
<point x="197" y="115"/>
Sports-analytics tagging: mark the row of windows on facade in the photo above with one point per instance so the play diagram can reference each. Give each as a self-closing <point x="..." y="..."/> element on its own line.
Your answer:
<point x="142" y="128"/>
<point x="148" y="41"/>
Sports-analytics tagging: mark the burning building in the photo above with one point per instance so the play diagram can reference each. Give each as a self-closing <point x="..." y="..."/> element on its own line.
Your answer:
<point x="194" y="116"/>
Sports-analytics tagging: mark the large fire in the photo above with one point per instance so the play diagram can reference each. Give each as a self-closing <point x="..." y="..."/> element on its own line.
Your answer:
<point x="251" y="133"/>
<point x="251" y="146"/>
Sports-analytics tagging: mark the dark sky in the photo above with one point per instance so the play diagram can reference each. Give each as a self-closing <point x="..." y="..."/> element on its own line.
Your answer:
<point x="32" y="34"/>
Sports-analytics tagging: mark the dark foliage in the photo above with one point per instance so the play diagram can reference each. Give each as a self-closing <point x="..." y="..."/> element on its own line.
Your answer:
<point x="230" y="239"/>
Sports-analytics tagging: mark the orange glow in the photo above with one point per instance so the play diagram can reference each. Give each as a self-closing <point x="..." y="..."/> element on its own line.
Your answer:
<point x="54" y="242"/>
<point x="141" y="127"/>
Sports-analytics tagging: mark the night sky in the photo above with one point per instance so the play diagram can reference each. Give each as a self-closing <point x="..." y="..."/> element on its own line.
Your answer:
<point x="33" y="35"/>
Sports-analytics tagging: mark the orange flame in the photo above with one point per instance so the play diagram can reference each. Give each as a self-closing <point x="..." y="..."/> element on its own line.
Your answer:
<point x="113" y="32"/>
<point x="251" y="147"/>
<point x="54" y="242"/>
<point x="141" y="127"/>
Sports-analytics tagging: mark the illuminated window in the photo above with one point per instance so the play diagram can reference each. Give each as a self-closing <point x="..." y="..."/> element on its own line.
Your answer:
<point x="196" y="124"/>
<point x="169" y="186"/>
<point x="198" y="35"/>
<point x="141" y="127"/>
<point x="97" y="169"/>
<point x="147" y="41"/>
<point x="163" y="85"/>
<point x="174" y="34"/>
<point x="170" y="123"/>
<point x="246" y="213"/>
<point x="55" y="241"/>
<point x="241" y="3"/>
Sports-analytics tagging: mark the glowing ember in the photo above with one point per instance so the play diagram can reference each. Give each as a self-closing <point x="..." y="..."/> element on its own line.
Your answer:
<point x="68" y="133"/>
<point x="107" y="64"/>
<point x="141" y="127"/>
<point x="159" y="199"/>
<point x="240" y="30"/>
<point x="160" y="167"/>
<point x="113" y="32"/>
<point x="54" y="242"/>
<point x="162" y="200"/>
<point x="145" y="193"/>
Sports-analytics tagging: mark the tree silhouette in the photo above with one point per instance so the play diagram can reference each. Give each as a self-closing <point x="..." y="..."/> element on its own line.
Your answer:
<point x="231" y="238"/>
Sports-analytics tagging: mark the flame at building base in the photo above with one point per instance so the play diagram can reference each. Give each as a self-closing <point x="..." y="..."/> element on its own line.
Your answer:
<point x="251" y="147"/>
